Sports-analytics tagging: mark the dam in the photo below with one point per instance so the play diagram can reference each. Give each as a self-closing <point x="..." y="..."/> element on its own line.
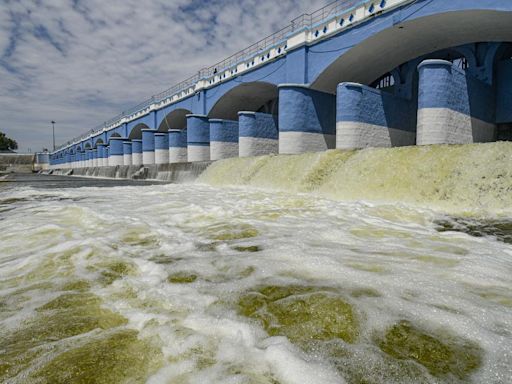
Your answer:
<point x="354" y="74"/>
<point x="332" y="205"/>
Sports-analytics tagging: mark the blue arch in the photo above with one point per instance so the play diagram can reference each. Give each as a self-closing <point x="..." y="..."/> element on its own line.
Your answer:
<point x="193" y="104"/>
<point x="272" y="73"/>
<point x="420" y="28"/>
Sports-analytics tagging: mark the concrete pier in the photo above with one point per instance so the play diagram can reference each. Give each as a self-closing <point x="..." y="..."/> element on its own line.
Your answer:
<point x="116" y="153"/>
<point x="198" y="138"/>
<point x="258" y="134"/>
<point x="223" y="139"/>
<point x="368" y="117"/>
<point x="127" y="153"/>
<point x="306" y="120"/>
<point x="148" y="146"/>
<point x="137" y="152"/>
<point x="161" y="148"/>
<point x="177" y="146"/>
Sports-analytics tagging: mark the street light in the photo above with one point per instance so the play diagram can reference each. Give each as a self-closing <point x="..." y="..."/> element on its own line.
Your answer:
<point x="53" y="130"/>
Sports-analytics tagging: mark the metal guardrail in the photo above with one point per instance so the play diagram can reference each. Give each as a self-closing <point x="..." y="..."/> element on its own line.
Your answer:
<point x="304" y="21"/>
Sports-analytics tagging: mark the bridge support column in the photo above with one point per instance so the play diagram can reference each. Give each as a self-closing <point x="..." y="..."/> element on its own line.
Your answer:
<point x="223" y="139"/>
<point x="368" y="117"/>
<point x="101" y="155"/>
<point x="258" y="134"/>
<point x="107" y="156"/>
<point x="88" y="162"/>
<point x="198" y="138"/>
<point x="148" y="146"/>
<point x="307" y="120"/>
<point x="137" y="152"/>
<point x="127" y="152"/>
<point x="453" y="106"/>
<point x="116" y="153"/>
<point x="95" y="157"/>
<point x="161" y="148"/>
<point x="177" y="146"/>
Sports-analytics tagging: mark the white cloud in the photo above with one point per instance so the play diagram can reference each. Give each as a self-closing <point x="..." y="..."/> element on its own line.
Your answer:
<point x="82" y="62"/>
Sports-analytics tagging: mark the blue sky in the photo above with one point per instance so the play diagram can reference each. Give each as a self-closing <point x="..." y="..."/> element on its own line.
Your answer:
<point x="82" y="62"/>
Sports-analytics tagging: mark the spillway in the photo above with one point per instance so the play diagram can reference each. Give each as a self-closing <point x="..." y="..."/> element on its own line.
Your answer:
<point x="457" y="178"/>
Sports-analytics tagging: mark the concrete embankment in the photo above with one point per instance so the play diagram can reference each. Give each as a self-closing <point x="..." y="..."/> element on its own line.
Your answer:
<point x="174" y="173"/>
<point x="13" y="162"/>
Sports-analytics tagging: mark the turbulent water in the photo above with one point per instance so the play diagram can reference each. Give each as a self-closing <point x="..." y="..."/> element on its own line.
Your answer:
<point x="200" y="284"/>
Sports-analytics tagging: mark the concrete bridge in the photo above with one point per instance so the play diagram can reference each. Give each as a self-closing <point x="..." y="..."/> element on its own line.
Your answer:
<point x="354" y="74"/>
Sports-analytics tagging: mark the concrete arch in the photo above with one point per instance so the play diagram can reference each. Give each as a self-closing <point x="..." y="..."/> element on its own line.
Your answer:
<point x="255" y="97"/>
<point x="87" y="146"/>
<point x="98" y="141"/>
<point x="115" y="134"/>
<point x="176" y="119"/>
<point x="401" y="43"/>
<point x="136" y="132"/>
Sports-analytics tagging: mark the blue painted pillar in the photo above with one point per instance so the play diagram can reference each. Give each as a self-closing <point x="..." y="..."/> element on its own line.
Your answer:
<point x="453" y="106"/>
<point x="307" y="120"/>
<point x="101" y="155"/>
<point x="127" y="152"/>
<point x="116" y="153"/>
<point x="107" y="156"/>
<point x="177" y="146"/>
<point x="88" y="156"/>
<point x="368" y="117"/>
<point x="94" y="155"/>
<point x="198" y="138"/>
<point x="161" y="148"/>
<point x="67" y="160"/>
<point x="258" y="134"/>
<point x="223" y="139"/>
<point x="136" y="152"/>
<point x="148" y="146"/>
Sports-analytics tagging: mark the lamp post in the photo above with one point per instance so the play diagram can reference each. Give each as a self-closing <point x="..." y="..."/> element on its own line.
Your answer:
<point x="53" y="130"/>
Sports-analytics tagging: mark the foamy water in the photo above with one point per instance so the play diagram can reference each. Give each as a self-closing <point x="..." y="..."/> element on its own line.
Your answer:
<point x="195" y="284"/>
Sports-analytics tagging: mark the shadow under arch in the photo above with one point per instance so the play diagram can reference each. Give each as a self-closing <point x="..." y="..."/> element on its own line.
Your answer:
<point x="136" y="132"/>
<point x="176" y="119"/>
<point x="402" y="43"/>
<point x="254" y="96"/>
<point x="99" y="141"/>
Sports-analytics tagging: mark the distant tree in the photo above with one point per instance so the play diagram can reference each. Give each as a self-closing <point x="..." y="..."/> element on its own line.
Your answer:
<point x="7" y="143"/>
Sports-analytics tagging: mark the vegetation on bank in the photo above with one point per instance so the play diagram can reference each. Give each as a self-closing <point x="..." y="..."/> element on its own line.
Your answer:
<point x="6" y="143"/>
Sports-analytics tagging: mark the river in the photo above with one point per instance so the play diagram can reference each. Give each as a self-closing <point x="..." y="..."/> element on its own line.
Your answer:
<point x="220" y="282"/>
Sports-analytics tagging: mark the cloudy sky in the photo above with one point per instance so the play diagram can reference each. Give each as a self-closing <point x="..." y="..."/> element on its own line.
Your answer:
<point x="81" y="62"/>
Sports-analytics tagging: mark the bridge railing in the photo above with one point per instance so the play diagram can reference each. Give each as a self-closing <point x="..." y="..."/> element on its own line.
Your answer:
<point x="304" y="21"/>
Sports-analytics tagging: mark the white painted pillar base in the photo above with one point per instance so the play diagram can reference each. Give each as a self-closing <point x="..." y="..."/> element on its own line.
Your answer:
<point x="256" y="146"/>
<point x="136" y="158"/>
<point x="161" y="156"/>
<point x="116" y="160"/>
<point x="198" y="153"/>
<point x="293" y="143"/>
<point x="127" y="159"/>
<point x="223" y="150"/>
<point x="177" y="155"/>
<point x="148" y="158"/>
